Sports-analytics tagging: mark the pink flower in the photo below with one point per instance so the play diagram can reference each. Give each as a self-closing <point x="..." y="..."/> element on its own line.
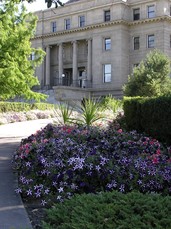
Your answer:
<point x="69" y="131"/>
<point x="145" y="143"/>
<point x="27" y="145"/>
<point x="158" y="152"/>
<point x="119" y="131"/>
<point x="27" y="151"/>
<point x="155" y="160"/>
<point x="169" y="160"/>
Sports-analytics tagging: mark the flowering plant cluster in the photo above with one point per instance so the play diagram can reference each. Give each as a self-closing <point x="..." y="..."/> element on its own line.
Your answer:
<point x="59" y="161"/>
<point x="11" y="117"/>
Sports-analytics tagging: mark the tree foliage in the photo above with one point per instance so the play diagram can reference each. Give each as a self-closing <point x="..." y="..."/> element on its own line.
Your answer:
<point x="16" y="68"/>
<point x="151" y="77"/>
<point x="49" y="2"/>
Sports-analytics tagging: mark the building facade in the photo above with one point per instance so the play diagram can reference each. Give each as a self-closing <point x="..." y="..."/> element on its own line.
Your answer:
<point x="92" y="45"/>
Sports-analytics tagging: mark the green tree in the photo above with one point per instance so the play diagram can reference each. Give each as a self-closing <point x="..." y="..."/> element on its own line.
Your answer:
<point x="151" y="77"/>
<point x="16" y="67"/>
<point x="49" y="2"/>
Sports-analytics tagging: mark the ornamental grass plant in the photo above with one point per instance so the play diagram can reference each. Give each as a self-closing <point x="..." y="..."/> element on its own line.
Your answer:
<point x="91" y="112"/>
<point x="64" y="114"/>
<point x="112" y="104"/>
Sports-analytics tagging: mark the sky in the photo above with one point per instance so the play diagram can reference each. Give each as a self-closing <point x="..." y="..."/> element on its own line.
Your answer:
<point x="38" y="5"/>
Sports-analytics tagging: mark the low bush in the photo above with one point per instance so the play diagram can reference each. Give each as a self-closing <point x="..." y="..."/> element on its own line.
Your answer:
<point x="13" y="107"/>
<point x="149" y="115"/>
<point x="42" y="106"/>
<point x="112" y="104"/>
<point x="132" y="112"/>
<point x="111" y="210"/>
<point x="156" y="118"/>
<point x="21" y="106"/>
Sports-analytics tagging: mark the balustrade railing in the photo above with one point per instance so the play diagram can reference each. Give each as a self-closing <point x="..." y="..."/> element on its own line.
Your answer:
<point x="82" y="83"/>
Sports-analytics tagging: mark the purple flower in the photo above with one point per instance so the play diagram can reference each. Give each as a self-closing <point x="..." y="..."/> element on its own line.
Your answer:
<point x="73" y="186"/>
<point x="139" y="182"/>
<point x="47" y="191"/>
<point x="61" y="189"/>
<point x="29" y="192"/>
<point x="18" y="190"/>
<point x="54" y="183"/>
<point x="43" y="202"/>
<point x="59" y="197"/>
<point x="28" y="164"/>
<point x="122" y="188"/>
<point x="98" y="168"/>
<point x="37" y="194"/>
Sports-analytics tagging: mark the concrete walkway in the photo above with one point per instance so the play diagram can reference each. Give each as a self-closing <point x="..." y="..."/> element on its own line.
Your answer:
<point x="12" y="212"/>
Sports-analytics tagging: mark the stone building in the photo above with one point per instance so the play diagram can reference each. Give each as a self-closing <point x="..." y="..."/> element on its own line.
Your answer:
<point x="92" y="45"/>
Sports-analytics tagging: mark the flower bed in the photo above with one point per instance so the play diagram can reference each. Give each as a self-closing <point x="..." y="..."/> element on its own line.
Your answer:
<point x="59" y="161"/>
<point x="11" y="117"/>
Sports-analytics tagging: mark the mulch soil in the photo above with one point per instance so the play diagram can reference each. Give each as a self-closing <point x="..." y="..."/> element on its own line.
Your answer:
<point x="36" y="214"/>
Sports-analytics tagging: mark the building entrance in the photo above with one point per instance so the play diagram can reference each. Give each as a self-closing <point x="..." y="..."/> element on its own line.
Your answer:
<point x="67" y="77"/>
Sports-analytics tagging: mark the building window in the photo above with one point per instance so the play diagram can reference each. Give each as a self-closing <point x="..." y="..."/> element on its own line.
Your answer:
<point x="150" y="41"/>
<point x="136" y="14"/>
<point x="107" y="73"/>
<point x="136" y="65"/>
<point x="107" y="15"/>
<point x="32" y="56"/>
<point x="151" y="11"/>
<point x="67" y="24"/>
<point x="136" y="43"/>
<point x="54" y="26"/>
<point x="82" y="21"/>
<point x="107" y="44"/>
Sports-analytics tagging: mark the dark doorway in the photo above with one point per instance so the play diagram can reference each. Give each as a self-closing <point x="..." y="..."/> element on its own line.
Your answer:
<point x="67" y="77"/>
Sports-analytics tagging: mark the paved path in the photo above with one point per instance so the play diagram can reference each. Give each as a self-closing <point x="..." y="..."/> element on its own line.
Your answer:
<point x="12" y="212"/>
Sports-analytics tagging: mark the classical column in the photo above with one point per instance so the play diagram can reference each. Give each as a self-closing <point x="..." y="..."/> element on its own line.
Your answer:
<point x="74" y="68"/>
<point x="89" y="61"/>
<point x="60" y="62"/>
<point x="47" y="81"/>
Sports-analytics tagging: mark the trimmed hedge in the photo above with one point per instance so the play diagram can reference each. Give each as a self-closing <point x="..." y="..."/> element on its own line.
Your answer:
<point x="21" y="106"/>
<point x="132" y="112"/>
<point x="149" y="115"/>
<point x="111" y="210"/>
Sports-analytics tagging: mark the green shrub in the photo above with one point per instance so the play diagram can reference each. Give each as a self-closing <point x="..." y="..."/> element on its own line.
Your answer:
<point x="111" y="210"/>
<point x="111" y="103"/>
<point x="132" y="111"/>
<point x="14" y="107"/>
<point x="156" y="118"/>
<point x="21" y="106"/>
<point x="42" y="106"/>
<point x="149" y="115"/>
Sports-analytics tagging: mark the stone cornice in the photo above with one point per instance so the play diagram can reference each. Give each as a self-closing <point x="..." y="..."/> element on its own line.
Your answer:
<point x="150" y="20"/>
<point x="105" y="24"/>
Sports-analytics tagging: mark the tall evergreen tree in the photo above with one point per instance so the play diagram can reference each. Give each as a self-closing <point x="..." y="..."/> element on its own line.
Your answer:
<point x="151" y="77"/>
<point x="16" y="67"/>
